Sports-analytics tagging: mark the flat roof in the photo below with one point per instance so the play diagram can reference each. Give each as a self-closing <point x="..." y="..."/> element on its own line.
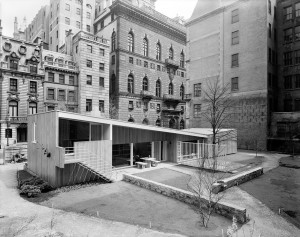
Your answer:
<point x="206" y="131"/>
<point x="87" y="118"/>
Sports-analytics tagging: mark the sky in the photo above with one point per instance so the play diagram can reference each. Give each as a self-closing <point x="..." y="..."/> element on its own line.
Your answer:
<point x="29" y="8"/>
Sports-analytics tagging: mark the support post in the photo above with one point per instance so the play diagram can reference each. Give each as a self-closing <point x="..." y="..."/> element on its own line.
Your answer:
<point x="131" y="154"/>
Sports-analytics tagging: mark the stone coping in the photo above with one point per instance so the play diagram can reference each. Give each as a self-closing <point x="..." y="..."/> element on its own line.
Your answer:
<point x="241" y="174"/>
<point x="222" y="208"/>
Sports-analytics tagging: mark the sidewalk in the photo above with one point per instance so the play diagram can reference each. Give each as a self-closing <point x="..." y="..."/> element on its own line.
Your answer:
<point x="17" y="212"/>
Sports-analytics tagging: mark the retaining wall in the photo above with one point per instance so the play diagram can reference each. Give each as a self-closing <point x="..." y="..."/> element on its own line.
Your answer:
<point x="224" y="209"/>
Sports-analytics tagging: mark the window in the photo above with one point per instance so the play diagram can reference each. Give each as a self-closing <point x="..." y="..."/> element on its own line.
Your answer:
<point x="101" y="106"/>
<point x="287" y="13"/>
<point x="13" y="108"/>
<point x="13" y="64"/>
<point x="113" y="82"/>
<point x="50" y="94"/>
<point x="182" y="74"/>
<point x="139" y="62"/>
<point x="288" y="58"/>
<point x="102" y="24"/>
<point x="158" y="88"/>
<point x="197" y="90"/>
<point x="78" y="24"/>
<point x="171" y="53"/>
<point x="297" y="105"/>
<point x="297" y="9"/>
<point x="288" y="35"/>
<point x="182" y="60"/>
<point x="78" y="12"/>
<point x="71" y="80"/>
<point x="275" y="34"/>
<point x="90" y="48"/>
<point x="131" y="60"/>
<point x="288" y="82"/>
<point x="130" y="42"/>
<point x="61" y="95"/>
<point x="101" y="66"/>
<point x="158" y="51"/>
<point x="152" y="65"/>
<point x="88" y="15"/>
<point x="50" y="40"/>
<point x="50" y="77"/>
<point x="145" y="47"/>
<point x="297" y="81"/>
<point x="146" y="106"/>
<point x="235" y="16"/>
<point x="32" y="108"/>
<point x="288" y="105"/>
<point x="130" y="85"/>
<point x="101" y="81"/>
<point x="33" y="87"/>
<point x="50" y="27"/>
<point x="182" y="92"/>
<point x="67" y="20"/>
<point x="112" y="17"/>
<point x="234" y="84"/>
<point x="197" y="110"/>
<point x="89" y="63"/>
<point x="88" y="105"/>
<point x="297" y="33"/>
<point x="113" y="60"/>
<point x="61" y="79"/>
<point x="181" y="125"/>
<point x="158" y="68"/>
<point x="88" y="28"/>
<point x="270" y="31"/>
<point x="102" y="52"/>
<point x="171" y="89"/>
<point x="235" y="60"/>
<point x="113" y="41"/>
<point x="89" y="80"/>
<point x="71" y="96"/>
<point x="158" y="123"/>
<point x="145" y="64"/>
<point x="33" y="68"/>
<point x="13" y="86"/>
<point x="297" y="57"/>
<point x="145" y="84"/>
<point x="67" y="7"/>
<point x="270" y="55"/>
<point x="270" y="7"/>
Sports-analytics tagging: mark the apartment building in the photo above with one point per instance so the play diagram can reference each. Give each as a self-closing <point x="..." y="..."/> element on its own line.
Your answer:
<point x="147" y="62"/>
<point x="235" y="41"/>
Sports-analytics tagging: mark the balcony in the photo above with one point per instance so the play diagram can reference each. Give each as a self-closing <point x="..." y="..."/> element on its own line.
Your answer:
<point x="22" y="68"/>
<point x="18" y="119"/>
<point x="187" y="97"/>
<point x="171" y="110"/>
<point x="147" y="95"/>
<point x="171" y="63"/>
<point x="171" y="98"/>
<point x="60" y="65"/>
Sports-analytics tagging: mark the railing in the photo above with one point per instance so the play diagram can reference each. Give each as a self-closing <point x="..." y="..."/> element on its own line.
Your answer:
<point x="171" y="110"/>
<point x="60" y="65"/>
<point x="187" y="97"/>
<point x="172" y="62"/>
<point x="168" y="97"/>
<point x="146" y="94"/>
<point x="18" y="119"/>
<point x="22" y="68"/>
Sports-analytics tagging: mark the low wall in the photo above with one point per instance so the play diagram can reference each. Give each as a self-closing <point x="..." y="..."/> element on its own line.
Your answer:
<point x="224" y="209"/>
<point x="238" y="179"/>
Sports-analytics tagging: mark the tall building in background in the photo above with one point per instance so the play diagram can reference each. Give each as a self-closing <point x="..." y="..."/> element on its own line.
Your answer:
<point x="235" y="41"/>
<point x="147" y="62"/>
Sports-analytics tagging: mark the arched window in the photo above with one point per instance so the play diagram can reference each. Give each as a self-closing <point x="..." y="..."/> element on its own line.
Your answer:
<point x="32" y="108"/>
<point x="158" y="51"/>
<point x="182" y="92"/>
<point x="158" y="88"/>
<point x="171" y="53"/>
<point x="181" y="125"/>
<point x="113" y="41"/>
<point x="158" y="123"/>
<point x="13" y="108"/>
<point x="130" y="84"/>
<point x="145" y="47"/>
<point x="131" y="120"/>
<point x="172" y="123"/>
<point x="145" y="84"/>
<point x="171" y="91"/>
<point x="182" y="59"/>
<point x="146" y="121"/>
<point x="130" y="42"/>
<point x="113" y="83"/>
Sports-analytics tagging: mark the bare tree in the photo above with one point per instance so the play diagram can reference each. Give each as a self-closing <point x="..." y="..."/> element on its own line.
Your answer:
<point x="217" y="110"/>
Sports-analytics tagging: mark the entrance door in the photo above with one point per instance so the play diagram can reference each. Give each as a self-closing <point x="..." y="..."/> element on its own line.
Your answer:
<point x="21" y="134"/>
<point x="164" y="154"/>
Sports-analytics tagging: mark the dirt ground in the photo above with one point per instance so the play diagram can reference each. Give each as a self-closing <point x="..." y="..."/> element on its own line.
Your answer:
<point x="278" y="188"/>
<point x="128" y="203"/>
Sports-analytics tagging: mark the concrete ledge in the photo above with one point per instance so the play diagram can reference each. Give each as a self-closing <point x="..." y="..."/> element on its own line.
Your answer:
<point x="223" y="208"/>
<point x="237" y="179"/>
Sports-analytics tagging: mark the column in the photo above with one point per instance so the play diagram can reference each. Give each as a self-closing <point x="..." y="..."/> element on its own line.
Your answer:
<point x="131" y="154"/>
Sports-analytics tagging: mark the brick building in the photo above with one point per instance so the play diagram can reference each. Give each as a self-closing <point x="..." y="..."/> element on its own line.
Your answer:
<point x="147" y="62"/>
<point x="234" y="40"/>
<point x="21" y="93"/>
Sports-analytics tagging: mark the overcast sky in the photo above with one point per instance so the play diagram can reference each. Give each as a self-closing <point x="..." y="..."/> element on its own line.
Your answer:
<point x="28" y="8"/>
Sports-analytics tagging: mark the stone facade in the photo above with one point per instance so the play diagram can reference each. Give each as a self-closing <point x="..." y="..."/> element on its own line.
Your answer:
<point x="21" y="91"/>
<point x="226" y="42"/>
<point x="143" y="102"/>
